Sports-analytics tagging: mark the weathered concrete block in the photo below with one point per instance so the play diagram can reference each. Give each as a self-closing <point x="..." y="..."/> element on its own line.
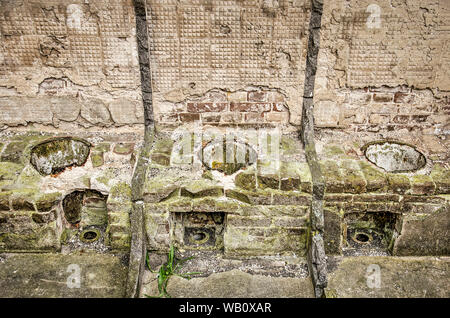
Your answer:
<point x="424" y="234"/>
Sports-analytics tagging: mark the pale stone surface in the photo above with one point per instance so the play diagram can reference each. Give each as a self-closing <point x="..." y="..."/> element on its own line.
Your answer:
<point x="425" y="234"/>
<point x="404" y="277"/>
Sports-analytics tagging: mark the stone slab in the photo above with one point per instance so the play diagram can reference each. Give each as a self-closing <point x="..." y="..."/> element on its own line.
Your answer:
<point x="400" y="277"/>
<point x="46" y="275"/>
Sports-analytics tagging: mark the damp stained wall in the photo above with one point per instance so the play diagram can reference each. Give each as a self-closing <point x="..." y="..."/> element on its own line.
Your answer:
<point x="69" y="64"/>
<point x="382" y="66"/>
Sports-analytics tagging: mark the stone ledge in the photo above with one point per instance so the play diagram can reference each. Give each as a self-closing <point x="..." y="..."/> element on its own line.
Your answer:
<point x="404" y="277"/>
<point x="46" y="275"/>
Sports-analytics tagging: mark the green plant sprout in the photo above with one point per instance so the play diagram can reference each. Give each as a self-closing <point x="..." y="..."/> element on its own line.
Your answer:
<point x="167" y="270"/>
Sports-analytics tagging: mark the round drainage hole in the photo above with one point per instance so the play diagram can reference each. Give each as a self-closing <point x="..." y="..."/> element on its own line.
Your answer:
<point x="199" y="238"/>
<point x="362" y="238"/>
<point x="89" y="236"/>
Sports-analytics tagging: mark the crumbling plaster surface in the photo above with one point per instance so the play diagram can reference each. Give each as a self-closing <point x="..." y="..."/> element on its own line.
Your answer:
<point x="227" y="45"/>
<point x="396" y="51"/>
<point x="64" y="62"/>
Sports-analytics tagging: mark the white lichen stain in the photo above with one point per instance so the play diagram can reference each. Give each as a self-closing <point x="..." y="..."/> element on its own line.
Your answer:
<point x="74" y="16"/>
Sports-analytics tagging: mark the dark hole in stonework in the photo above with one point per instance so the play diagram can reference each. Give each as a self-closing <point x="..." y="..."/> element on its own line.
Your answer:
<point x="73" y="203"/>
<point x="199" y="236"/>
<point x="90" y="235"/>
<point x="370" y="233"/>
<point x="361" y="237"/>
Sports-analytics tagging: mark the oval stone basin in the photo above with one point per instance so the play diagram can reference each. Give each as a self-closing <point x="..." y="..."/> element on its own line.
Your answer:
<point x="394" y="157"/>
<point x="53" y="156"/>
<point x="228" y="157"/>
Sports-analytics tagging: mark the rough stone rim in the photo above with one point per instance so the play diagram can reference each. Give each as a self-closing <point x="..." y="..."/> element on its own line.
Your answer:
<point x="85" y="240"/>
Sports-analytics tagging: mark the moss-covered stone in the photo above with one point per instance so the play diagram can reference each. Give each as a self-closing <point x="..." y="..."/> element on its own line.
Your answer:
<point x="246" y="180"/>
<point x="45" y="201"/>
<point x="260" y="197"/>
<point x="163" y="146"/>
<point x="401" y="277"/>
<point x="334" y="182"/>
<point x="332" y="231"/>
<point x="234" y="284"/>
<point x="376" y="180"/>
<point x="425" y="234"/>
<point x="201" y="188"/>
<point x="93" y="216"/>
<point x="333" y="151"/>
<point x="54" y="155"/>
<point x="160" y="186"/>
<point x="97" y="159"/>
<point x="178" y="204"/>
<point x="120" y="191"/>
<point x="23" y="199"/>
<point x="207" y="175"/>
<point x="228" y="205"/>
<point x="28" y="235"/>
<point x="5" y="200"/>
<point x="296" y="211"/>
<point x="290" y="176"/>
<point x="14" y="151"/>
<point x="43" y="217"/>
<point x="441" y="178"/>
<point x="204" y="205"/>
<point x="29" y="177"/>
<point x="269" y="181"/>
<point x="237" y="195"/>
<point x="290" y="146"/>
<point x="244" y="241"/>
<point x="398" y="183"/>
<point x="119" y="241"/>
<point x="47" y="274"/>
<point x="354" y="181"/>
<point x="305" y="177"/>
<point x="290" y="198"/>
<point x="102" y="147"/>
<point x="123" y="148"/>
<point x="422" y="184"/>
<point x="160" y="159"/>
<point x="10" y="171"/>
<point x="107" y="177"/>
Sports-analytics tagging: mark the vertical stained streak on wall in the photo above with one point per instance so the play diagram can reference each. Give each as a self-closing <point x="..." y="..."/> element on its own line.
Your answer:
<point x="144" y="60"/>
<point x="316" y="252"/>
<point x="138" y="246"/>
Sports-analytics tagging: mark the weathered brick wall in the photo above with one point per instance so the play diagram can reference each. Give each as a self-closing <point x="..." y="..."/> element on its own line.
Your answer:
<point x="69" y="62"/>
<point x="231" y="48"/>
<point x="383" y="66"/>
